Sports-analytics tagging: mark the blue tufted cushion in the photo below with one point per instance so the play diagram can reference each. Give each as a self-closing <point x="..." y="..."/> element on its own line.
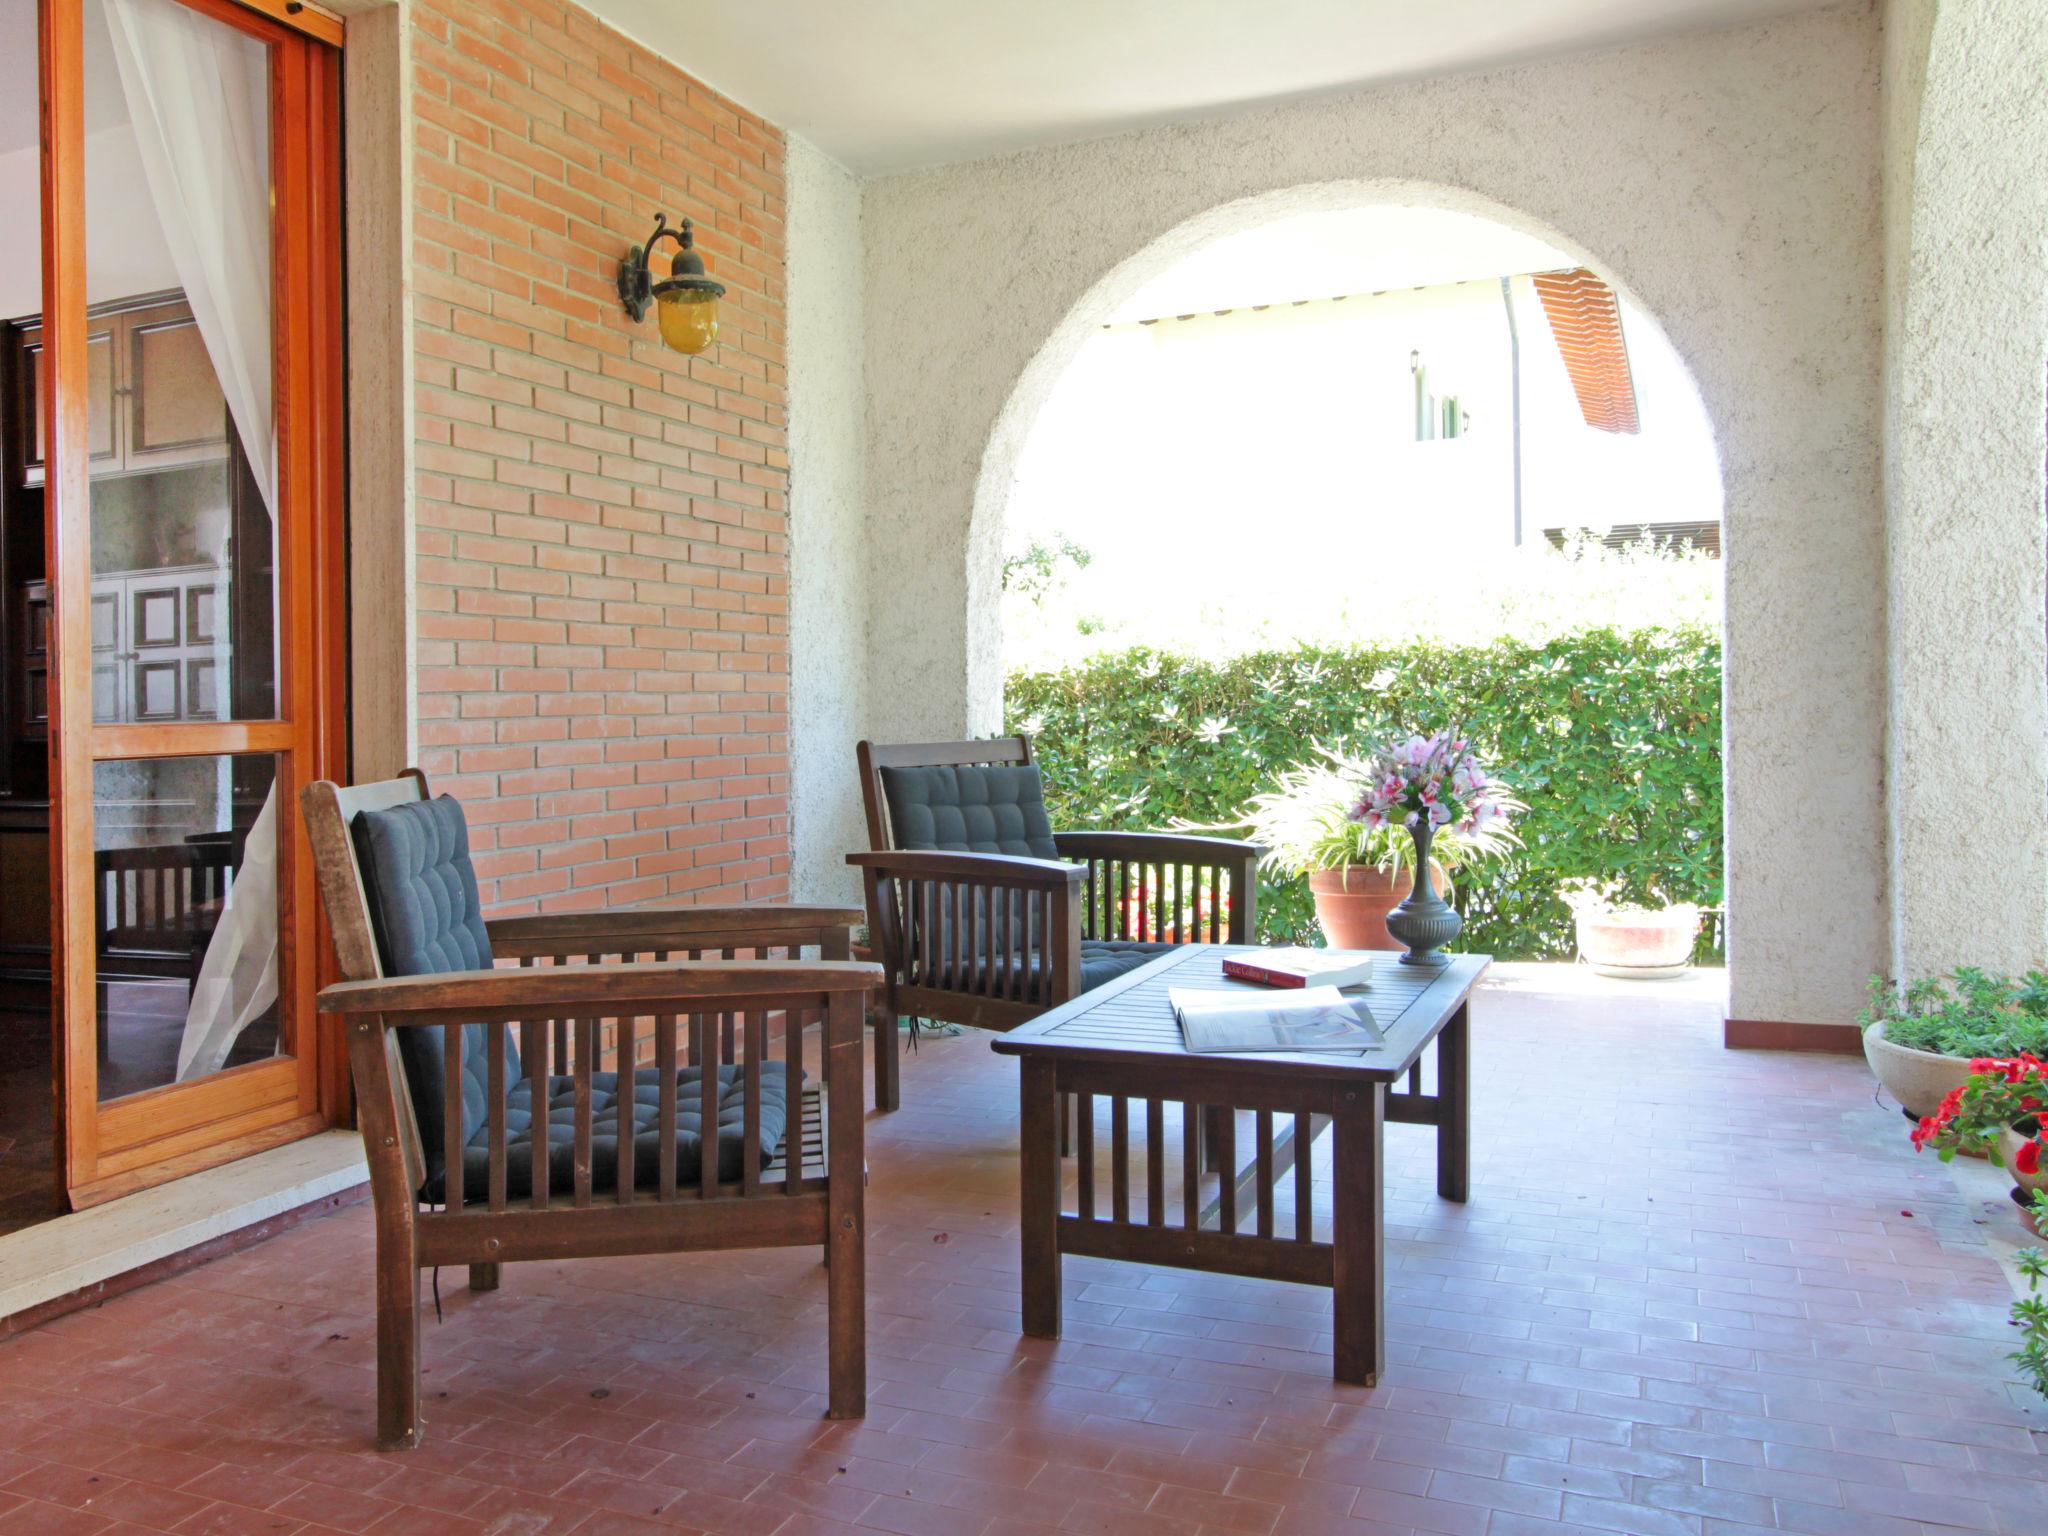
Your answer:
<point x="646" y="1144"/>
<point x="1102" y="961"/>
<point x="969" y="810"/>
<point x="428" y="917"/>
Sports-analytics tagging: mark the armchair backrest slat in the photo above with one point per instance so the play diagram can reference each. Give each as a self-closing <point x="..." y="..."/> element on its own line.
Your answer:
<point x="756" y="1026"/>
<point x="712" y="1030"/>
<point x="666" y="1063"/>
<point x="496" y="1114"/>
<point x="584" y="1034"/>
<point x="540" y="1135"/>
<point x="451" y="1111"/>
<point x="626" y="1131"/>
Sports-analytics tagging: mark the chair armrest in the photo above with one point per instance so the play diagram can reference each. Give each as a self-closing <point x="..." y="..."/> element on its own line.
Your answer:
<point x="969" y="868"/>
<point x="578" y="991"/>
<point x="1159" y="848"/>
<point x="664" y="927"/>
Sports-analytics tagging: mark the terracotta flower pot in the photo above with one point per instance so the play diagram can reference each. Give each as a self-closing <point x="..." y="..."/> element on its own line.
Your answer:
<point x="1917" y="1079"/>
<point x="1352" y="903"/>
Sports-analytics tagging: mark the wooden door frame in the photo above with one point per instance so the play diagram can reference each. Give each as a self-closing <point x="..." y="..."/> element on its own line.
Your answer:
<point x="107" y="1150"/>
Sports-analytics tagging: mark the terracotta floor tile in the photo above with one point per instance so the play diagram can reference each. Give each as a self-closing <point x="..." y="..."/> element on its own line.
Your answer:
<point x="1653" y="1317"/>
<point x="33" y="1517"/>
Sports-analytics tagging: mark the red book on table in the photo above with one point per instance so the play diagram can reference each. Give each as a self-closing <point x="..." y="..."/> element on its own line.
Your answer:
<point x="1301" y="968"/>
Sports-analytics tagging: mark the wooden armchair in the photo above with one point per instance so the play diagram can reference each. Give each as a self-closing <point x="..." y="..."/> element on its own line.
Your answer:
<point x="659" y="1095"/>
<point x="983" y="915"/>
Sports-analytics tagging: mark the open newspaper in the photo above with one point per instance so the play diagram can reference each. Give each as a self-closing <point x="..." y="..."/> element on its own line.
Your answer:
<point x="1308" y="1019"/>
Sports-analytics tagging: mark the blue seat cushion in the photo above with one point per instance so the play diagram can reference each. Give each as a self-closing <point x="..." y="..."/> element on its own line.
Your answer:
<point x="428" y="917"/>
<point x="1102" y="961"/>
<point x="972" y="809"/>
<point x="729" y="1136"/>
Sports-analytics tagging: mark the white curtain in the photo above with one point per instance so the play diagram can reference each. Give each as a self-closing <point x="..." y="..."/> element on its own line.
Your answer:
<point x="198" y="93"/>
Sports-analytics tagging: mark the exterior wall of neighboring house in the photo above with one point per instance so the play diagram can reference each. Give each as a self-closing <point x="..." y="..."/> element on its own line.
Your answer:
<point x="1725" y="182"/>
<point x="1966" y="362"/>
<point x="828" y="592"/>
<point x="602" y="568"/>
<point x="1324" y="452"/>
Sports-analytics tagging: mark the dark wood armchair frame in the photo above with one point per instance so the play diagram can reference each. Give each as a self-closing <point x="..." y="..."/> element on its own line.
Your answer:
<point x="951" y="928"/>
<point x="646" y="987"/>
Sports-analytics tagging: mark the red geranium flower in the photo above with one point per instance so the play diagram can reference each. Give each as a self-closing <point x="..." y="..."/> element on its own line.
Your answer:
<point x="2028" y="1158"/>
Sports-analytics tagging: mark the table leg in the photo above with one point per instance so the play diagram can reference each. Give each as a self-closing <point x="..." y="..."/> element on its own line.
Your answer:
<point x="1454" y="1106"/>
<point x="1219" y="1123"/>
<point x="1039" y="1189"/>
<point x="888" y="1060"/>
<point x="1358" y="1241"/>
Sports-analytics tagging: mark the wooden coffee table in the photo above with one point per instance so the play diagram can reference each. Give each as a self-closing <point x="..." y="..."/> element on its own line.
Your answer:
<point x="1121" y="1042"/>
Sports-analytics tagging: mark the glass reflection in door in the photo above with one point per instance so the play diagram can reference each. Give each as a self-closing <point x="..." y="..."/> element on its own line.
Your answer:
<point x="184" y="541"/>
<point x="181" y="844"/>
<point x="178" y="280"/>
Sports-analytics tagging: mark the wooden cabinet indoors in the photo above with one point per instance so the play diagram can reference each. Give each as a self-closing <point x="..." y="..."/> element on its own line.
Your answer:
<point x="155" y="402"/>
<point x="160" y="649"/>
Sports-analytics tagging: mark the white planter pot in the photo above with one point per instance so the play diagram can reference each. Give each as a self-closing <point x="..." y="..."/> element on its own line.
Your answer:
<point x="1919" y="1080"/>
<point x="1641" y="945"/>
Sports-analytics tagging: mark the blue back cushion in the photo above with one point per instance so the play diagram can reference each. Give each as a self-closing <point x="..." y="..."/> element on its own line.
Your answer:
<point x="974" y="809"/>
<point x="428" y="917"/>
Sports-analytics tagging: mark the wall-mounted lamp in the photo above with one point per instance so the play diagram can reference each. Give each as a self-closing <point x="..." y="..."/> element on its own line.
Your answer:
<point x="687" y="298"/>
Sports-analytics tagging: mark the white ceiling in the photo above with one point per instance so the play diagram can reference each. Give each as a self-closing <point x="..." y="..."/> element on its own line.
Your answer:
<point x="104" y="105"/>
<point x="1347" y="251"/>
<point x="886" y="85"/>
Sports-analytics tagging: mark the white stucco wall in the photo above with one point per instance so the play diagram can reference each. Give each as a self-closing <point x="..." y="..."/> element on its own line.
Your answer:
<point x="827" y="453"/>
<point x="1966" y="354"/>
<point x="1726" y="182"/>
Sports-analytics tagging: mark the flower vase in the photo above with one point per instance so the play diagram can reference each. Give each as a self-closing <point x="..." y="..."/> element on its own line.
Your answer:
<point x="1425" y="922"/>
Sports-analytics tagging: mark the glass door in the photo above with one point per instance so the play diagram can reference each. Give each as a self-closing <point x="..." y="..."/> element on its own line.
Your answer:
<point x="187" y="381"/>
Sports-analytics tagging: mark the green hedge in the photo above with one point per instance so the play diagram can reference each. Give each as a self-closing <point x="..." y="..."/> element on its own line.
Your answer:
<point x="1614" y="739"/>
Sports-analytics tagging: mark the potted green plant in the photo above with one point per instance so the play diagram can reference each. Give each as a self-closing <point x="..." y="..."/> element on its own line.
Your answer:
<point x="1921" y="1038"/>
<point x="1358" y="866"/>
<point x="1635" y="940"/>
<point x="1997" y="1113"/>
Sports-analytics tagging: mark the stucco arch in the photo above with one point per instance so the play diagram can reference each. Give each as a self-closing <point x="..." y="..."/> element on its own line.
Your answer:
<point x="1035" y="382"/>
<point x="1729" y="180"/>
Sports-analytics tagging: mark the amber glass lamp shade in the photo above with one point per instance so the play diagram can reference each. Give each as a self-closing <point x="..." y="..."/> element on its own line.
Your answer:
<point x="688" y="319"/>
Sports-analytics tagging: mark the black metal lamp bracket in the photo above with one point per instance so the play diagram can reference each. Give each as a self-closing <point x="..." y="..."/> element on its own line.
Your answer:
<point x="636" y="282"/>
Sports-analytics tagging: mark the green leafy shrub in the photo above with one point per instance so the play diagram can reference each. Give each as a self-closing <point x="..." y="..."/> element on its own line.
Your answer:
<point x="1613" y="738"/>
<point x="1975" y="1014"/>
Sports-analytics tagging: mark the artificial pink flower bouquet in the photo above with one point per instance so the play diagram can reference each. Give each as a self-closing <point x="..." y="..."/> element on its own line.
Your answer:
<point x="1439" y="782"/>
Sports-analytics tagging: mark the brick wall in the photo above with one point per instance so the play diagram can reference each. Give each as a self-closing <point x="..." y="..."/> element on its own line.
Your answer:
<point x="603" y="546"/>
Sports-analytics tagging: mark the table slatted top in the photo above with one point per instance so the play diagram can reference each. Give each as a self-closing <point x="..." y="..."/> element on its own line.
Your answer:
<point x="1132" y="1019"/>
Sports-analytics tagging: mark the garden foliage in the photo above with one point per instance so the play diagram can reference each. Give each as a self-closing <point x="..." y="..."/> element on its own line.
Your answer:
<point x="1976" y="1013"/>
<point x="1613" y="738"/>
